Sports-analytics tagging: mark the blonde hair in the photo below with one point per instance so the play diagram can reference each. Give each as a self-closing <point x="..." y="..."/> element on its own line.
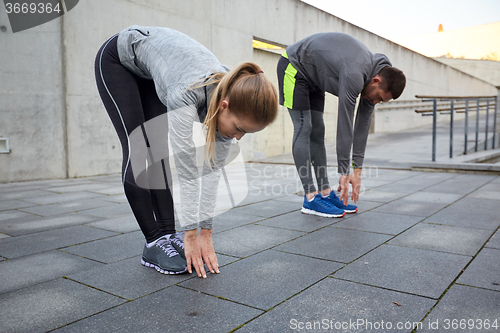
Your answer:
<point x="251" y="96"/>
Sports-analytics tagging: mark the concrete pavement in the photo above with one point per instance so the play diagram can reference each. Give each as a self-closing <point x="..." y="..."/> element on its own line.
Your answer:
<point x="423" y="248"/>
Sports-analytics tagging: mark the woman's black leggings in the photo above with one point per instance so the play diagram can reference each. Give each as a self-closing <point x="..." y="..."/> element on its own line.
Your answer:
<point x="131" y="101"/>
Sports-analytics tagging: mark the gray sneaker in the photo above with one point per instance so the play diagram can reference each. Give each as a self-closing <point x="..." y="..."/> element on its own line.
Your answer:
<point x="177" y="241"/>
<point x="164" y="257"/>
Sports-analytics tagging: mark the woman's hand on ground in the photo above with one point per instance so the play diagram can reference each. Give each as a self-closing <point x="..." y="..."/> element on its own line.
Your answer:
<point x="193" y="253"/>
<point x="207" y="250"/>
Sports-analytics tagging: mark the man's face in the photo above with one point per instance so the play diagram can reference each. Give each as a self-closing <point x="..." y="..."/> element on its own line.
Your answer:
<point x="374" y="93"/>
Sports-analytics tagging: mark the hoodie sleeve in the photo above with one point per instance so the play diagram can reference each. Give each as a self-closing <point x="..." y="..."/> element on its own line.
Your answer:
<point x="361" y="129"/>
<point x="350" y="85"/>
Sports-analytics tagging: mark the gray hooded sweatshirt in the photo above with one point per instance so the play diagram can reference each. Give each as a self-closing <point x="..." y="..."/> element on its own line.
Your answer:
<point x="341" y="65"/>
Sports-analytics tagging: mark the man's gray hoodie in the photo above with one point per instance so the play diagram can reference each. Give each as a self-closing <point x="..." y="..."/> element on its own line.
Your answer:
<point x="341" y="65"/>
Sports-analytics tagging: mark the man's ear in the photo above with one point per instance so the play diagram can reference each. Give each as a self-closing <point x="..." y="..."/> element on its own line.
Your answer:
<point x="376" y="79"/>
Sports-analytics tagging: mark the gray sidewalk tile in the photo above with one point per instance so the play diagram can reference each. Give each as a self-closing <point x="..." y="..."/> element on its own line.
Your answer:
<point x="298" y="221"/>
<point x="494" y="241"/>
<point x="33" y="224"/>
<point x="388" y="175"/>
<point x="127" y="278"/>
<point x="117" y="198"/>
<point x="484" y="271"/>
<point x="370" y="183"/>
<point x="265" y="279"/>
<point x="91" y="186"/>
<point x="174" y="309"/>
<point x="461" y="184"/>
<point x="4" y="236"/>
<point x="416" y="271"/>
<point x="465" y="241"/>
<point x="267" y="208"/>
<point x="122" y="224"/>
<point x="49" y="240"/>
<point x="334" y="244"/>
<point x="364" y="206"/>
<point x="484" y="194"/>
<point x="232" y="219"/>
<point x="299" y="199"/>
<point x="14" y="215"/>
<point x="30" y="270"/>
<point x="50" y="305"/>
<point x="65" y="207"/>
<point x="398" y="187"/>
<point x="411" y="207"/>
<point x="469" y="306"/>
<point x="110" y="210"/>
<point x="28" y="195"/>
<point x="51" y="197"/>
<point x="380" y="195"/>
<point x="250" y="239"/>
<point x="379" y="222"/>
<point x="111" y="249"/>
<point x="427" y="178"/>
<point x="333" y="303"/>
<point x="110" y="190"/>
<point x="469" y="213"/>
<point x="14" y="204"/>
<point x="424" y="196"/>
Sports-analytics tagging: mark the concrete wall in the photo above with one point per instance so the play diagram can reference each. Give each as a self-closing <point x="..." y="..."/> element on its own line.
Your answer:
<point x="55" y="120"/>
<point x="487" y="70"/>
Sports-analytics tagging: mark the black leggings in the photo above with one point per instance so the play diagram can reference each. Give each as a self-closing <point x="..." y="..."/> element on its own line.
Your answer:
<point x="130" y="102"/>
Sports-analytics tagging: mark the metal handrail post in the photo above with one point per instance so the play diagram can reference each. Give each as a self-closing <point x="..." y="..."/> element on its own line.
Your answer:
<point x="451" y="128"/>
<point x="495" y="122"/>
<point x="477" y="124"/>
<point x="434" y="113"/>
<point x="466" y="130"/>
<point x="486" y="131"/>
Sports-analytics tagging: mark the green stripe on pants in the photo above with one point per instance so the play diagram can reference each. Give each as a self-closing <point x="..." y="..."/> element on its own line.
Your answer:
<point x="289" y="85"/>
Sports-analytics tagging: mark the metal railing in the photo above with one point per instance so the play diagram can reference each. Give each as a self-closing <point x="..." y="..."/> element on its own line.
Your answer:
<point x="460" y="104"/>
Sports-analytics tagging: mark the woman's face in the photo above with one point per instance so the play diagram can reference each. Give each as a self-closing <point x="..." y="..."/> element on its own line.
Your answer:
<point x="231" y="126"/>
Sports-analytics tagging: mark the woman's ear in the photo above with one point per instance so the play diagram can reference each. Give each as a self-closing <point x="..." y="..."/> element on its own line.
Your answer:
<point x="224" y="105"/>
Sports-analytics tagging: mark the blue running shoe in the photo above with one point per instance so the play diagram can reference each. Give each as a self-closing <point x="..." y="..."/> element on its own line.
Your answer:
<point x="321" y="207"/>
<point x="335" y="200"/>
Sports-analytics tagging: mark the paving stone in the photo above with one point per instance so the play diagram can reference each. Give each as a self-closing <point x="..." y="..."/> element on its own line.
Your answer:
<point x="123" y="224"/>
<point x="461" y="184"/>
<point x="433" y="197"/>
<point x="193" y="312"/>
<point x="23" y="195"/>
<point x="369" y="183"/>
<point x="416" y="271"/>
<point x="380" y="195"/>
<point x="334" y="303"/>
<point x="4" y="236"/>
<point x="14" y="204"/>
<point x="265" y="279"/>
<point x="443" y="238"/>
<point x="58" y="303"/>
<point x="389" y="175"/>
<point x="465" y="213"/>
<point x="489" y="191"/>
<point x="50" y="197"/>
<point x="268" y="208"/>
<point x="127" y="278"/>
<point x="334" y="244"/>
<point x="37" y="268"/>
<point x="297" y="221"/>
<point x="110" y="190"/>
<point x="232" y="219"/>
<point x="364" y="206"/>
<point x="14" y="215"/>
<point x="464" y="303"/>
<point x="118" y="198"/>
<point x="409" y="207"/>
<point x="427" y="178"/>
<point x="250" y="239"/>
<point x="398" y="187"/>
<point x="379" y="222"/>
<point x="32" y="224"/>
<point x="14" y="247"/>
<point x="484" y="271"/>
<point x="494" y="241"/>
<point x="111" y="249"/>
<point x="110" y="210"/>
<point x="299" y="199"/>
<point x="66" y="207"/>
<point x="91" y="186"/>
